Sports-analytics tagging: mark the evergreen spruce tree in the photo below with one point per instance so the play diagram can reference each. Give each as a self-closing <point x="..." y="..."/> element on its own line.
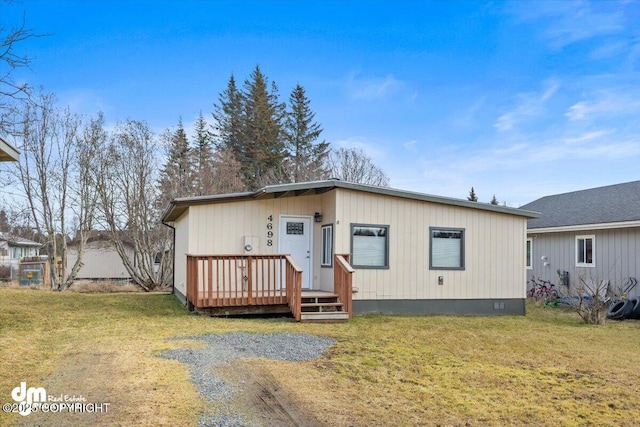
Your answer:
<point x="228" y="116"/>
<point x="494" y="201"/>
<point x="203" y="158"/>
<point x="176" y="176"/>
<point x="472" y="195"/>
<point x="306" y="159"/>
<point x="263" y="151"/>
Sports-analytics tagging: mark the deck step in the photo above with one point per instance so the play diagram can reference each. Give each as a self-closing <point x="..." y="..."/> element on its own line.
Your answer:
<point x="332" y="316"/>
<point x="321" y="304"/>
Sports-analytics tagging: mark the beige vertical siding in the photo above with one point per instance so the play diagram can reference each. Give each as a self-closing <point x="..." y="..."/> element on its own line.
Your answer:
<point x="617" y="255"/>
<point x="221" y="228"/>
<point x="101" y="261"/>
<point x="494" y="242"/>
<point x="494" y="249"/>
<point x="328" y="217"/>
<point x="183" y="234"/>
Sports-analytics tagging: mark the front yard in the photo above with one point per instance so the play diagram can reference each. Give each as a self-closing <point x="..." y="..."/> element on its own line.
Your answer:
<point x="543" y="369"/>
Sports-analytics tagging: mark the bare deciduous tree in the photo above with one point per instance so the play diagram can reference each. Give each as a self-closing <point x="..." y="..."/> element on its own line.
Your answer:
<point x="84" y="187"/>
<point x="590" y="298"/>
<point x="12" y="92"/>
<point x="52" y="168"/>
<point x="127" y="188"/>
<point x="354" y="165"/>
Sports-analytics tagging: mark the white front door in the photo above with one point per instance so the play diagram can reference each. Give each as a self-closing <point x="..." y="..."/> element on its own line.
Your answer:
<point x="295" y="239"/>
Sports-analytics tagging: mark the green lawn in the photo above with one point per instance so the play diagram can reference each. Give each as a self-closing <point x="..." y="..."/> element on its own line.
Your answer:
<point x="543" y="369"/>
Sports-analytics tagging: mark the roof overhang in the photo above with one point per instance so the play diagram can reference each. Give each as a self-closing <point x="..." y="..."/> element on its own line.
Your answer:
<point x="7" y="152"/>
<point x="25" y="244"/>
<point x="584" y="227"/>
<point x="180" y="205"/>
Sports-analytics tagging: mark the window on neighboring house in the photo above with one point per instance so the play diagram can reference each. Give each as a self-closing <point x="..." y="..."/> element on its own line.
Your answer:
<point x="447" y="248"/>
<point x="529" y="254"/>
<point x="327" y="246"/>
<point x="369" y="246"/>
<point x="585" y="251"/>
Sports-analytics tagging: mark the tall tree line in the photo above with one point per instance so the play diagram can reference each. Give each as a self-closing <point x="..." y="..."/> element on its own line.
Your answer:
<point x="254" y="140"/>
<point x="273" y="142"/>
<point x="77" y="176"/>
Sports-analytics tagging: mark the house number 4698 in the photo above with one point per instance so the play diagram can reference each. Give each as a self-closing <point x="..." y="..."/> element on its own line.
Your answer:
<point x="270" y="230"/>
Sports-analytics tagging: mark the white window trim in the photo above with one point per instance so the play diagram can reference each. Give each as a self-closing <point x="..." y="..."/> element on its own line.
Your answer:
<point x="593" y="250"/>
<point x="324" y="250"/>
<point x="529" y="261"/>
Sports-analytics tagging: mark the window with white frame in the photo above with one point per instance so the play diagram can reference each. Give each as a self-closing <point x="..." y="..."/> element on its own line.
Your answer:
<point x="585" y="251"/>
<point x="529" y="254"/>
<point x="327" y="246"/>
<point x="446" y="248"/>
<point x="369" y="246"/>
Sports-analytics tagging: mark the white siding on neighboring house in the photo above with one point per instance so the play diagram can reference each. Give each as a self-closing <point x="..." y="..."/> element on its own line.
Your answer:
<point x="11" y="254"/>
<point x="100" y="261"/>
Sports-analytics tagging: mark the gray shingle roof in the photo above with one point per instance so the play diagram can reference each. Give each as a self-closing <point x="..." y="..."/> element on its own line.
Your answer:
<point x="613" y="203"/>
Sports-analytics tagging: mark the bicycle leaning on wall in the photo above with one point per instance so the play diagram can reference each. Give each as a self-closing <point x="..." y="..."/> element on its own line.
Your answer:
<point x="542" y="290"/>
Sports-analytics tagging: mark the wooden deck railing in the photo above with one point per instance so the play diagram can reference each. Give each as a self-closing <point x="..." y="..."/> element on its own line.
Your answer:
<point x="294" y="287"/>
<point x="243" y="280"/>
<point x="342" y="280"/>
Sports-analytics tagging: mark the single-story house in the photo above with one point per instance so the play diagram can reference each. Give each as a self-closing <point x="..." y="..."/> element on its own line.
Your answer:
<point x="7" y="152"/>
<point x="368" y="249"/>
<point x="594" y="234"/>
<point x="100" y="260"/>
<point x="13" y="250"/>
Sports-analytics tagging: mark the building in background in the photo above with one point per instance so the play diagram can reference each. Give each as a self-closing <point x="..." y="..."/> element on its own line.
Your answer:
<point x="594" y="234"/>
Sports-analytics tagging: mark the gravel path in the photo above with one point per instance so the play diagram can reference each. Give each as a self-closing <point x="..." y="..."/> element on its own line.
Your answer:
<point x="224" y="348"/>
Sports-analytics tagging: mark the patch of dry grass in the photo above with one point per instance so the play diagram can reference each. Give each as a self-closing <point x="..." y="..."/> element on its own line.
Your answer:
<point x="543" y="369"/>
<point x="103" y="287"/>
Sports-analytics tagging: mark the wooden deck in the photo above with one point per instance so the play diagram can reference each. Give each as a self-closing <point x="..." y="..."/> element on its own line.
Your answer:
<point x="243" y="284"/>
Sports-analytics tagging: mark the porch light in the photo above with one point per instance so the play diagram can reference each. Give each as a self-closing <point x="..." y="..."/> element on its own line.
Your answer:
<point x="317" y="217"/>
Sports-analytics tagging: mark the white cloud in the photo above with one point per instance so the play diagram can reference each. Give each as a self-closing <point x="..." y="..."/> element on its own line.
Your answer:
<point x="609" y="49"/>
<point x="411" y="145"/>
<point x="372" y="149"/>
<point x="466" y="117"/>
<point x="604" y="103"/>
<point x="372" y="88"/>
<point x="84" y="101"/>
<point x="566" y="23"/>
<point x="529" y="105"/>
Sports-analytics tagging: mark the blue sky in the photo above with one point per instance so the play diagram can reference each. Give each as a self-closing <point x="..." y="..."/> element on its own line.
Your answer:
<point x="519" y="99"/>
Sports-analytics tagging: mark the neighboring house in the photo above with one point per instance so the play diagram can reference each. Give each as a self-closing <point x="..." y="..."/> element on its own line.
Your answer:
<point x="7" y="152"/>
<point x="380" y="250"/>
<point x="14" y="249"/>
<point x="100" y="260"/>
<point x="592" y="233"/>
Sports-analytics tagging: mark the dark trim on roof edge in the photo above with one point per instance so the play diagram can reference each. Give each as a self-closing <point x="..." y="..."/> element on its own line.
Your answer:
<point x="178" y="206"/>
